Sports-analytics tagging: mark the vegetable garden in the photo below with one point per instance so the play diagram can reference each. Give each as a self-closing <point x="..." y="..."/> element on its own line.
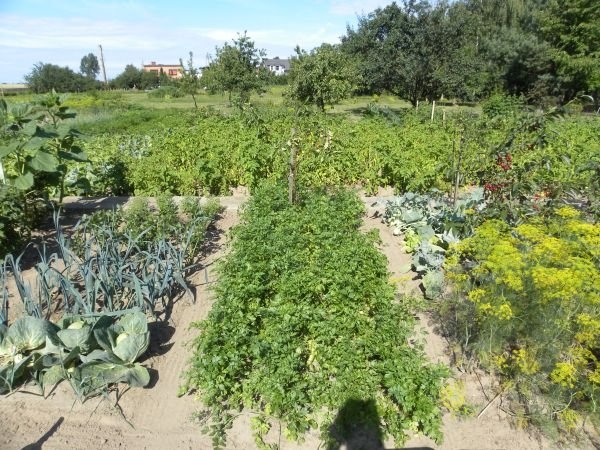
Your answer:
<point x="499" y="211"/>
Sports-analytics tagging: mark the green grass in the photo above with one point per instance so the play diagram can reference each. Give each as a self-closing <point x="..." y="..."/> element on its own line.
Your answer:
<point x="134" y="111"/>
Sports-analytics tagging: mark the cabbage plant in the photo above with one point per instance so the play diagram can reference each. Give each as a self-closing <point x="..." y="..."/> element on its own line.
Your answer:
<point x="91" y="352"/>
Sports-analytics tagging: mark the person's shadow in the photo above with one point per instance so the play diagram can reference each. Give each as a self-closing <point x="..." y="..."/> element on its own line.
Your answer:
<point x="357" y="426"/>
<point x="37" y="445"/>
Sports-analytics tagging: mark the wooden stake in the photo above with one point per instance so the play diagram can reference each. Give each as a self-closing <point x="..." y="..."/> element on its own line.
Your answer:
<point x="488" y="405"/>
<point x="432" y="110"/>
<point x="292" y="174"/>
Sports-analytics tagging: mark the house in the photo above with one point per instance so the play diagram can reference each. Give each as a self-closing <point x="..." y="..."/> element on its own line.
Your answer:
<point x="277" y="65"/>
<point x="174" y="71"/>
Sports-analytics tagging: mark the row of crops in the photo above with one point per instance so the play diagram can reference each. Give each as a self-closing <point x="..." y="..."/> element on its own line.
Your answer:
<point x="306" y="324"/>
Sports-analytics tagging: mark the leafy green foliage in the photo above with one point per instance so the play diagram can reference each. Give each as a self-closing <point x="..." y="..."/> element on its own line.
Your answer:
<point x="190" y="80"/>
<point x="166" y="92"/>
<point x="406" y="49"/>
<point x="570" y="26"/>
<point x="15" y="225"/>
<point x="91" y="352"/>
<point x="322" y="77"/>
<point x="45" y="78"/>
<point x="236" y="69"/>
<point x="34" y="149"/>
<point x="305" y="322"/>
<point x="89" y="66"/>
<point x="430" y="224"/>
<point x="135" y="78"/>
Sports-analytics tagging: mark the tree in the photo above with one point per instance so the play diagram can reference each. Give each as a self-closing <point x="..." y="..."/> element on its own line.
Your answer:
<point x="89" y="66"/>
<point x="190" y="81"/>
<point x="572" y="28"/>
<point x="405" y="50"/>
<point x="48" y="77"/>
<point x="236" y="70"/>
<point x="132" y="77"/>
<point x="322" y="77"/>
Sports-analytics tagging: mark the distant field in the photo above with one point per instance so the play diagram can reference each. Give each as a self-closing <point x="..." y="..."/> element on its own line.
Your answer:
<point x="101" y="103"/>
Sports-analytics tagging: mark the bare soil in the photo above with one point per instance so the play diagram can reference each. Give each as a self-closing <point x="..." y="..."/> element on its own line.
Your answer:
<point x="155" y="418"/>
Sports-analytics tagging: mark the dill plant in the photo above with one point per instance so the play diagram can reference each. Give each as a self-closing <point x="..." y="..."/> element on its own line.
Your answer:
<point x="529" y="310"/>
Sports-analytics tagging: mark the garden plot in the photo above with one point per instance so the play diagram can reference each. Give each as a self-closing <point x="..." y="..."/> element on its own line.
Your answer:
<point x="156" y="418"/>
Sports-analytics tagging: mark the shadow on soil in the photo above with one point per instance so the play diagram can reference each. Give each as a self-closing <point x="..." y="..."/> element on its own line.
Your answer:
<point x="37" y="445"/>
<point x="357" y="426"/>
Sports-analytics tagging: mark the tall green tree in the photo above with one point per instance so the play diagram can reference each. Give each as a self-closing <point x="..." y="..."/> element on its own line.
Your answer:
<point x="132" y="77"/>
<point x="48" y="77"/>
<point x="405" y="49"/>
<point x="572" y="28"/>
<point x="236" y="69"/>
<point x="89" y="66"/>
<point x="322" y="77"/>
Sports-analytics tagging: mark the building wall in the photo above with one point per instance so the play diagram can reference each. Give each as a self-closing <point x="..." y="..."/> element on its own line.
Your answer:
<point x="171" y="70"/>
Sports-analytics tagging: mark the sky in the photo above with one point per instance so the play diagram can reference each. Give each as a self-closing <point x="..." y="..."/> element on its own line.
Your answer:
<point x="138" y="32"/>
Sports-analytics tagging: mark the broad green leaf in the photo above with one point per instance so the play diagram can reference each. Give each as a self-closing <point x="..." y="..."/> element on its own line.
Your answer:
<point x="23" y="182"/>
<point x="433" y="282"/>
<point x="29" y="333"/>
<point x="42" y="133"/>
<point x="131" y="346"/>
<point x="6" y="150"/>
<point x="98" y="375"/>
<point x="53" y="376"/>
<point x="73" y="156"/>
<point x="80" y="337"/>
<point x="100" y="356"/>
<point x="43" y="161"/>
<point x="132" y="323"/>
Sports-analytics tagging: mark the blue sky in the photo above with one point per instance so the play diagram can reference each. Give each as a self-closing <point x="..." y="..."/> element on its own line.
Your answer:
<point x="137" y="32"/>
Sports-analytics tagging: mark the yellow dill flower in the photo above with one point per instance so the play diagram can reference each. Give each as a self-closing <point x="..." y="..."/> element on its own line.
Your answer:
<point x="564" y="373"/>
<point x="567" y="212"/>
<point x="484" y="308"/>
<point x="476" y="295"/>
<point x="526" y="361"/>
<point x="530" y="232"/>
<point x="504" y="312"/>
<point x="569" y="419"/>
<point x="556" y="284"/>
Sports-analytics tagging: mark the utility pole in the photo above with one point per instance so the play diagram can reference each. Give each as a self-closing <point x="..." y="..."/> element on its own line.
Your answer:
<point x="103" y="69"/>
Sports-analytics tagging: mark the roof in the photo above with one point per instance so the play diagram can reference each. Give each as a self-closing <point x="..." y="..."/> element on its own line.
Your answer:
<point x="162" y="65"/>
<point x="285" y="63"/>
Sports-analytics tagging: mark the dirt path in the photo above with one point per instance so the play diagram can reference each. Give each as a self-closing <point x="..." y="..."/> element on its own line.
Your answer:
<point x="155" y="418"/>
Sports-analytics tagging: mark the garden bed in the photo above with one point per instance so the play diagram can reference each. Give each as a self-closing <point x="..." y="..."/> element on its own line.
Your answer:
<point x="155" y="417"/>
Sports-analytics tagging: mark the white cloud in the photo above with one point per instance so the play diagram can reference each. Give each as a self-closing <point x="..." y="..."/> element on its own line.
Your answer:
<point x="52" y="33"/>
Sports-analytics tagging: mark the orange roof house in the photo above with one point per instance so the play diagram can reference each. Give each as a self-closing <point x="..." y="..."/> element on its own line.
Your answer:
<point x="174" y="71"/>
